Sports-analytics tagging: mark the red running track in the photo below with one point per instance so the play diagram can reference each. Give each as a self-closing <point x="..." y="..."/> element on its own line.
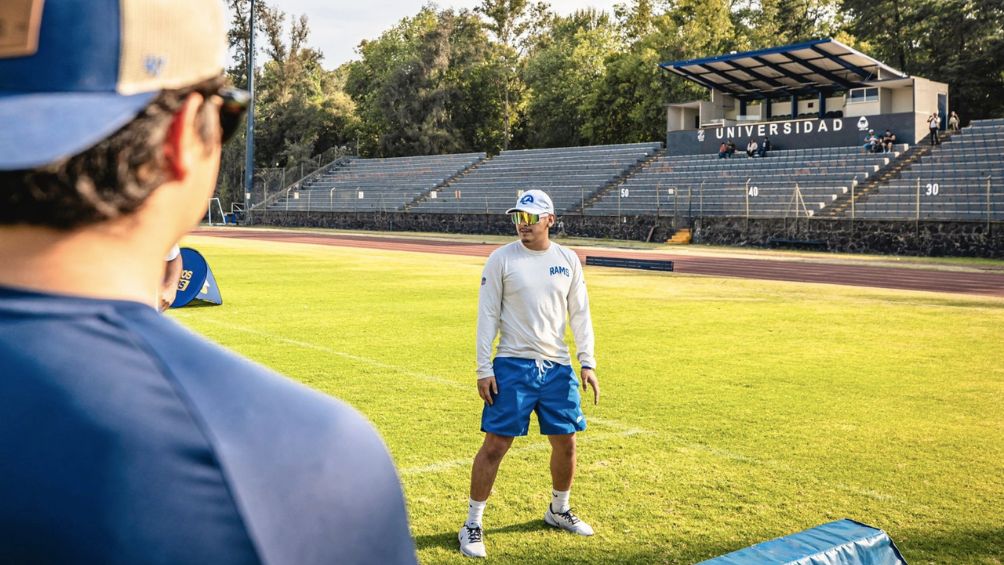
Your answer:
<point x="915" y="278"/>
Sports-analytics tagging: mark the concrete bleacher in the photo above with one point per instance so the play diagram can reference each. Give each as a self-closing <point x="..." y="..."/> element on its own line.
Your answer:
<point x="952" y="180"/>
<point x="367" y="185"/>
<point x="569" y="175"/>
<point x="707" y="185"/>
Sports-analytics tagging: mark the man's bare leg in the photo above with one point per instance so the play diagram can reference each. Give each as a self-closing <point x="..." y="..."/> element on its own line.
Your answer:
<point x="486" y="465"/>
<point x="562" y="461"/>
<point x="559" y="512"/>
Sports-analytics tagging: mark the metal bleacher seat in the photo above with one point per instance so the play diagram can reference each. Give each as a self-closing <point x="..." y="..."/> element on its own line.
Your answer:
<point x="568" y="174"/>
<point x="366" y="185"/>
<point x="707" y="185"/>
<point x="960" y="179"/>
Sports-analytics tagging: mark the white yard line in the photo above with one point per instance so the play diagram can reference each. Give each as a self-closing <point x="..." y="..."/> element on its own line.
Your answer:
<point x="621" y="429"/>
<point x="394" y="368"/>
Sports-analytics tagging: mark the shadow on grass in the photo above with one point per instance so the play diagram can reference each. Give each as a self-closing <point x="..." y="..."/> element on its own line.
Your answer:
<point x="197" y="304"/>
<point x="448" y="540"/>
<point x="952" y="546"/>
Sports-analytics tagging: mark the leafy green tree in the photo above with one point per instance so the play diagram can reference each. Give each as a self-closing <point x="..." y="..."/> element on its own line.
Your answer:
<point x="515" y="25"/>
<point x="563" y="72"/>
<point x="959" y="42"/>
<point x="428" y="85"/>
<point x="300" y="109"/>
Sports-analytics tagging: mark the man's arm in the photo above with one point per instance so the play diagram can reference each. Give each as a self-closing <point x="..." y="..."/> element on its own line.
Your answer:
<point x="489" y="312"/>
<point x="172" y="274"/>
<point x="582" y="327"/>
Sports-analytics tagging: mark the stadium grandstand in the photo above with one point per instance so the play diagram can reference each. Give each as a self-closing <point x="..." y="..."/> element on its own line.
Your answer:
<point x="373" y="184"/>
<point x="569" y="175"/>
<point x="816" y="102"/>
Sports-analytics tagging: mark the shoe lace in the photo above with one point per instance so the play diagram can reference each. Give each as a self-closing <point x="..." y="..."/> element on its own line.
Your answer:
<point x="567" y="515"/>
<point x="473" y="534"/>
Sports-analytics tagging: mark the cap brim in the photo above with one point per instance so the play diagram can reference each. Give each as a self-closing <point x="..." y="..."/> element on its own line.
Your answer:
<point x="518" y="209"/>
<point x="39" y="129"/>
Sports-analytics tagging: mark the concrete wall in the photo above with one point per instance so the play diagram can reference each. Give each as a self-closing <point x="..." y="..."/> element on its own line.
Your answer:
<point x="674" y="119"/>
<point x="969" y="239"/>
<point x="926" y="95"/>
<point x="792" y="134"/>
<point x="929" y="239"/>
<point x="864" y="108"/>
<point x="902" y="99"/>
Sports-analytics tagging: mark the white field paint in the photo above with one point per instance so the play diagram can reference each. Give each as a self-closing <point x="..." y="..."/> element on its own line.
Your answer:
<point x="620" y="429"/>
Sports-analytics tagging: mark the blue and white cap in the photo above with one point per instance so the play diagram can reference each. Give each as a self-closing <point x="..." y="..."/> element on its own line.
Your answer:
<point x="533" y="202"/>
<point x="73" y="72"/>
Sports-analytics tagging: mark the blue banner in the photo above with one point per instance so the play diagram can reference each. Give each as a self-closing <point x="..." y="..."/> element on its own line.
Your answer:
<point x="197" y="281"/>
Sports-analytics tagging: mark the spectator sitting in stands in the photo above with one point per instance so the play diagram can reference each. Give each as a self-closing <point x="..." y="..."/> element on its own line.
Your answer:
<point x="723" y="150"/>
<point x="888" y="140"/>
<point x="751" y="148"/>
<point x="764" y="147"/>
<point x="871" y="142"/>
<point x="731" y="148"/>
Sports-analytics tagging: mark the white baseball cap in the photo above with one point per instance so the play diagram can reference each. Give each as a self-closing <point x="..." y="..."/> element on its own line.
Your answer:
<point x="533" y="202"/>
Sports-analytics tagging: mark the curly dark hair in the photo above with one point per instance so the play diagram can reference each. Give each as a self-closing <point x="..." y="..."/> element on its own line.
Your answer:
<point x="107" y="181"/>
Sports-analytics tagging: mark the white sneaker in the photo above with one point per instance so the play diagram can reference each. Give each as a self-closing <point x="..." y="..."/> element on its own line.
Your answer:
<point x="567" y="521"/>
<point x="472" y="543"/>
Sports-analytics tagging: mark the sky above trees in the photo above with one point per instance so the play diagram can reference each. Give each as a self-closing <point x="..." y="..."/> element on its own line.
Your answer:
<point x="338" y="27"/>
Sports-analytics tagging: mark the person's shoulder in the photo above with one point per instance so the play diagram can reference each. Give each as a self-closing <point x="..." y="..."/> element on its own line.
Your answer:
<point x="502" y="251"/>
<point x="571" y="256"/>
<point x="268" y="431"/>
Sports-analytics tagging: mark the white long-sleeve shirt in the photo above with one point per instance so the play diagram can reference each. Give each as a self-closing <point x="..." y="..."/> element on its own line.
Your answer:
<point x="525" y="296"/>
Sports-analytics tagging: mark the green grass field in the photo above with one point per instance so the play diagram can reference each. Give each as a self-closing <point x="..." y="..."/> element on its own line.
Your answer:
<point x="733" y="411"/>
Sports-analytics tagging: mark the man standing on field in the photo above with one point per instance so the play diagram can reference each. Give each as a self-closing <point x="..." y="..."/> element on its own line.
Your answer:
<point x="527" y="289"/>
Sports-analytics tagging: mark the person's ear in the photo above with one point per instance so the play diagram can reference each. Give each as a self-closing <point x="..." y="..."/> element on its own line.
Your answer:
<point x="180" y="139"/>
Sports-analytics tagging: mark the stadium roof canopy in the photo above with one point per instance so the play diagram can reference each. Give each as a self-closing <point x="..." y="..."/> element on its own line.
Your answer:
<point x="802" y="68"/>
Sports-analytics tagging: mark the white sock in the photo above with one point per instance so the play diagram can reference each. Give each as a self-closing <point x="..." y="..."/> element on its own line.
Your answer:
<point x="559" y="500"/>
<point x="475" y="510"/>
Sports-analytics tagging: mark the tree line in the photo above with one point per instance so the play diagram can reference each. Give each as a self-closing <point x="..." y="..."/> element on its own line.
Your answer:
<point x="513" y="74"/>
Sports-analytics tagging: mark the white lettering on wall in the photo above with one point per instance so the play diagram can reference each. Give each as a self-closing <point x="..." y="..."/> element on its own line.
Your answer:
<point x="798" y="127"/>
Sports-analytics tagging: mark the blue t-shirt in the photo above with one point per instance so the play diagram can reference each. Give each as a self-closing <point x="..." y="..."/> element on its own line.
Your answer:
<point x="124" y="438"/>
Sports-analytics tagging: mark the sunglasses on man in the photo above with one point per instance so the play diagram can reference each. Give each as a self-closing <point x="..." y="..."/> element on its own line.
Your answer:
<point x="235" y="104"/>
<point x="527" y="218"/>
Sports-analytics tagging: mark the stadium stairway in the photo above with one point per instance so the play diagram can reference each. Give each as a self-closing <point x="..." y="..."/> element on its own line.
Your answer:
<point x="307" y="181"/>
<point x="435" y="191"/>
<point x="376" y="184"/>
<point x="842" y="205"/>
<point x="682" y="236"/>
<point x="567" y="174"/>
<point x="709" y="186"/>
<point x="959" y="180"/>
<point x="613" y="184"/>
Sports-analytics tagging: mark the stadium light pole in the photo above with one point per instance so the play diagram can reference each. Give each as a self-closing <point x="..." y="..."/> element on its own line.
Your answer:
<point x="249" y="148"/>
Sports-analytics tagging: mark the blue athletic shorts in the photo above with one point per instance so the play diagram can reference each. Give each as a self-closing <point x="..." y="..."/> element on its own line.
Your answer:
<point x="525" y="385"/>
